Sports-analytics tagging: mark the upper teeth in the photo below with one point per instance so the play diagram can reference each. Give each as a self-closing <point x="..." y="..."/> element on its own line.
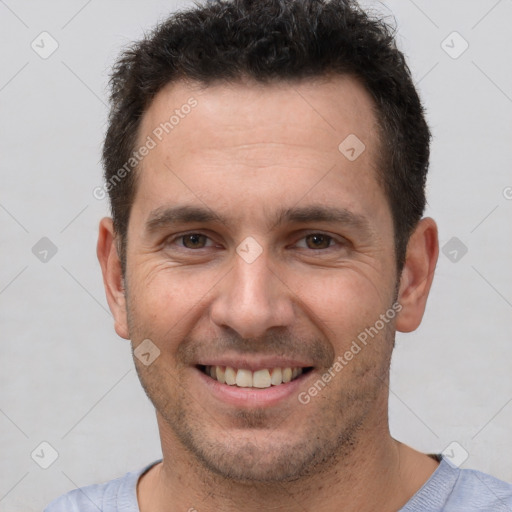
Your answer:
<point x="247" y="379"/>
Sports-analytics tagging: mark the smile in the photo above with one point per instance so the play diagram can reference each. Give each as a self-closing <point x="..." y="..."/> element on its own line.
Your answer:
<point x="245" y="378"/>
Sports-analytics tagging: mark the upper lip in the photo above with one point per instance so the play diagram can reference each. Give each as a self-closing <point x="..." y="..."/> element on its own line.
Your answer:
<point x="254" y="363"/>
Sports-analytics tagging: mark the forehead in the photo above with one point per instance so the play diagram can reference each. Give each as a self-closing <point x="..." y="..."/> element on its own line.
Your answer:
<point x="273" y="143"/>
<point x="326" y="108"/>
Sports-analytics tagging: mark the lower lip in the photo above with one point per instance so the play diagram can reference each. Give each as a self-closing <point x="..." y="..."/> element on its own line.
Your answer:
<point x="251" y="397"/>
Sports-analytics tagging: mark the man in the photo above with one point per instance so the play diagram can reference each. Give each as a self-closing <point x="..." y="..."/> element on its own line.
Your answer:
<point x="266" y="163"/>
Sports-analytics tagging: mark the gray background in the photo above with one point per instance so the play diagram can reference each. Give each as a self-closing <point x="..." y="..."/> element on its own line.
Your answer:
<point x="68" y="380"/>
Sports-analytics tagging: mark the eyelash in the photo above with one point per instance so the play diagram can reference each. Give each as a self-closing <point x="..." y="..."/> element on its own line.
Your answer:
<point x="330" y="237"/>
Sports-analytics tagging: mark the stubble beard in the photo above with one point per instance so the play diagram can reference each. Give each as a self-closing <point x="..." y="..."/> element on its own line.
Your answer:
<point x="258" y="451"/>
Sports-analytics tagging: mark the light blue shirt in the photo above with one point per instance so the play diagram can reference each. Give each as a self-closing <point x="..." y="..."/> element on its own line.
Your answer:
<point x="448" y="489"/>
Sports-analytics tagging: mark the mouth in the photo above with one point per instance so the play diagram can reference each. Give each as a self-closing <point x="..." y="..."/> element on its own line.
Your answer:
<point x="258" y="379"/>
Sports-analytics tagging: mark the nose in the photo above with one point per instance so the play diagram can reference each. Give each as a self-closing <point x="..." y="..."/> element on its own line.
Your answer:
<point x="253" y="298"/>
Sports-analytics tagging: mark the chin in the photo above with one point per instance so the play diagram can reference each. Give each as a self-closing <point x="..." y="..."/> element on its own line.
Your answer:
<point x="267" y="456"/>
<point x="249" y="463"/>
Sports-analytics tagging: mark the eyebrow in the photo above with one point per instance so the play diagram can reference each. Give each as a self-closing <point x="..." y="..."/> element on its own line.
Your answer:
<point x="321" y="213"/>
<point x="187" y="214"/>
<point x="164" y="217"/>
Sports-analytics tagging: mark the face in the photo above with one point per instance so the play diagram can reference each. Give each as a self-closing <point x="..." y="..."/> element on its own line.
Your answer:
<point x="256" y="246"/>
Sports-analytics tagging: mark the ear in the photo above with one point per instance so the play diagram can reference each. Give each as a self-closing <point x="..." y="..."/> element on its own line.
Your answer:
<point x="417" y="275"/>
<point x="108" y="257"/>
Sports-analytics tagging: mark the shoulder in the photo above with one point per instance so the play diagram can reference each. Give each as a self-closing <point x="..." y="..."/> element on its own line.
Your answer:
<point x="451" y="489"/>
<point x="84" y="499"/>
<point x="481" y="492"/>
<point x="115" y="495"/>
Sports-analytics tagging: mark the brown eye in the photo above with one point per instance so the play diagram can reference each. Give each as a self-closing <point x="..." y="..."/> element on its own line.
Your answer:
<point x="194" y="241"/>
<point x="318" y="241"/>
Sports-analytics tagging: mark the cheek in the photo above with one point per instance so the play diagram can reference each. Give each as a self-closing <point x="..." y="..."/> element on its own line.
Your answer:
<point x="342" y="303"/>
<point x="166" y="300"/>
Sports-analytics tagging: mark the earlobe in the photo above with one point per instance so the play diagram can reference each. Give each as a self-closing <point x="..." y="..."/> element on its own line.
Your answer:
<point x="111" y="269"/>
<point x="417" y="275"/>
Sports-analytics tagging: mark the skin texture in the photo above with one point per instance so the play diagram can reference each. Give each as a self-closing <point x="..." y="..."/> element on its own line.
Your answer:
<point x="246" y="152"/>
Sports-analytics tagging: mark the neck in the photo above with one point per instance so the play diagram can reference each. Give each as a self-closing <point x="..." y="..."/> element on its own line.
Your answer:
<point x="378" y="474"/>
